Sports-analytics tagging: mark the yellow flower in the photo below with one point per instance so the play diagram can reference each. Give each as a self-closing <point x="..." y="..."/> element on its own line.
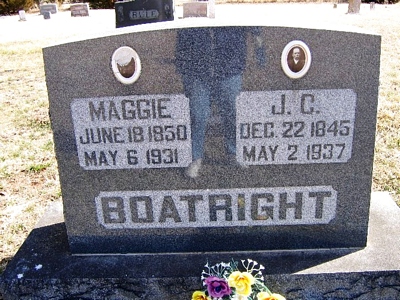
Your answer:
<point x="197" y="295"/>
<point x="242" y="282"/>
<point x="268" y="296"/>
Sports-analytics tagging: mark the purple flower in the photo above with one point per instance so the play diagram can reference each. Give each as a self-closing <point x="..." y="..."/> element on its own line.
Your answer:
<point x="217" y="287"/>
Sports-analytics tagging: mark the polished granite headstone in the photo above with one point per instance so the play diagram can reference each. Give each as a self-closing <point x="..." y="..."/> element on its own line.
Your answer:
<point x="291" y="168"/>
<point x="128" y="13"/>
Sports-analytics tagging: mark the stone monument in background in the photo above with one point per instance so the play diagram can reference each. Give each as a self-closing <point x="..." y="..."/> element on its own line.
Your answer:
<point x="183" y="145"/>
<point x="354" y="7"/>
<point x="48" y="7"/>
<point x="128" y="13"/>
<point x="79" y="10"/>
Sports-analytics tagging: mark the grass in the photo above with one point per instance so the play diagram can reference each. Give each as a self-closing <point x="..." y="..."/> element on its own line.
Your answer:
<point x="28" y="169"/>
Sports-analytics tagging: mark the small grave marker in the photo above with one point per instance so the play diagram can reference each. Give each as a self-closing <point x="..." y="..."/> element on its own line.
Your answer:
<point x="195" y="9"/>
<point x="22" y="15"/>
<point x="50" y="7"/>
<point x="46" y="15"/>
<point x="79" y="10"/>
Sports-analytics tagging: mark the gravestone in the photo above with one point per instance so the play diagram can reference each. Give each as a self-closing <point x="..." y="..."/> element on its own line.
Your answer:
<point x="211" y="9"/>
<point x="285" y="175"/>
<point x="79" y="10"/>
<point x="22" y="15"/>
<point x="128" y="13"/>
<point x="301" y="174"/>
<point x="372" y="5"/>
<point x="195" y="9"/>
<point x="46" y="15"/>
<point x="50" y="7"/>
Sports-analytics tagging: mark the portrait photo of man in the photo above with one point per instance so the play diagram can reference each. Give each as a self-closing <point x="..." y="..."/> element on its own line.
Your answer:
<point x="296" y="59"/>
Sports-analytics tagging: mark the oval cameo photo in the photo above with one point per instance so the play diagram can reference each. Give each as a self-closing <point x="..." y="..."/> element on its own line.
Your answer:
<point x="296" y="59"/>
<point x="125" y="63"/>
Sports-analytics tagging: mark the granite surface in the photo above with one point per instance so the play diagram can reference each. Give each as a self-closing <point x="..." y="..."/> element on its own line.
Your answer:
<point x="306" y="185"/>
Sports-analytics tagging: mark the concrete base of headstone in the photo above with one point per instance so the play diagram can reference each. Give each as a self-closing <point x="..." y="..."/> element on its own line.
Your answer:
<point x="44" y="269"/>
<point x="195" y="9"/>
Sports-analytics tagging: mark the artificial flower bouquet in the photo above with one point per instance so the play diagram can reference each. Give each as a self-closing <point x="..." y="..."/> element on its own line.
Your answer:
<point x="231" y="281"/>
